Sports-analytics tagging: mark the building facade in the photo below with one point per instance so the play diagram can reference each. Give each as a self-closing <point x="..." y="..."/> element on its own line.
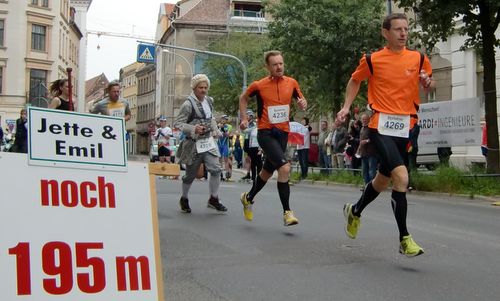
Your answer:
<point x="146" y="103"/>
<point x="195" y="24"/>
<point x="129" y="90"/>
<point x="39" y="41"/>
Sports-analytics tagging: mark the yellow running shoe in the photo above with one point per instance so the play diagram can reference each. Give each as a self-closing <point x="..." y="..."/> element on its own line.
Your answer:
<point x="409" y="247"/>
<point x="289" y="219"/>
<point x="247" y="207"/>
<point x="352" y="222"/>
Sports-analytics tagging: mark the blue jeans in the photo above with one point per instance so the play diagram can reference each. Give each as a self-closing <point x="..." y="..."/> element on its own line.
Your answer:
<point x="324" y="162"/>
<point x="370" y="165"/>
<point x="303" y="155"/>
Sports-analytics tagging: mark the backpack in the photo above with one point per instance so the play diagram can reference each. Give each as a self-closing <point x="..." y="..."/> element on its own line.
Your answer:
<point x="195" y="112"/>
<point x="370" y="66"/>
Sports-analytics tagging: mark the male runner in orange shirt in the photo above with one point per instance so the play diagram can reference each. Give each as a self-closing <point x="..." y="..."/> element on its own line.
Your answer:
<point x="274" y="95"/>
<point x="393" y="95"/>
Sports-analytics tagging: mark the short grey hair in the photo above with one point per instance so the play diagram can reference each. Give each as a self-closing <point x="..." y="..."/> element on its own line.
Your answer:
<point x="199" y="78"/>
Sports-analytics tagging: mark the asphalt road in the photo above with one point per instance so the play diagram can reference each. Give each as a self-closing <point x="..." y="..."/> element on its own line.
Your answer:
<point x="210" y="256"/>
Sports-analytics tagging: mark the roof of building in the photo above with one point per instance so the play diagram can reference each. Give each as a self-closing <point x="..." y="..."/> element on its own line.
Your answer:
<point x="206" y="12"/>
<point x="95" y="84"/>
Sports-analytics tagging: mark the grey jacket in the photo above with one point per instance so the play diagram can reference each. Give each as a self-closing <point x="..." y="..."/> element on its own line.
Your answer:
<point x="339" y="139"/>
<point x="187" y="149"/>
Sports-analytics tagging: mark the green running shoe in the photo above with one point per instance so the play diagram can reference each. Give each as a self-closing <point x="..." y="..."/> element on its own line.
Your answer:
<point x="352" y="222"/>
<point x="247" y="207"/>
<point x="409" y="247"/>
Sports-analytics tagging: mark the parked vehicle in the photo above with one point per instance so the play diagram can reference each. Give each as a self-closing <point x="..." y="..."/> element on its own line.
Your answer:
<point x="153" y="152"/>
<point x="153" y="149"/>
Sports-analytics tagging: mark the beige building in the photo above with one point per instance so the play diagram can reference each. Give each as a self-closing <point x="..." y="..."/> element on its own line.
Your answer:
<point x="39" y="40"/>
<point x="195" y="24"/>
<point x="129" y="89"/>
<point x="146" y="98"/>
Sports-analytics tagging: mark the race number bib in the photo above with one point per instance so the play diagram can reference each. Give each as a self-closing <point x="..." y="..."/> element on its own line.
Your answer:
<point x="117" y="112"/>
<point x="205" y="144"/>
<point x="394" y="125"/>
<point x="278" y="114"/>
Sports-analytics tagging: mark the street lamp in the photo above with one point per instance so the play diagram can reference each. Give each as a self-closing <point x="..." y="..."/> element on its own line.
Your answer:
<point x="182" y="57"/>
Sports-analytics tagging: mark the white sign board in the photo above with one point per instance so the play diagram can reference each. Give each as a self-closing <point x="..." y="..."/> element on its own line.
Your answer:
<point x="76" y="236"/>
<point x="70" y="139"/>
<point x="450" y="123"/>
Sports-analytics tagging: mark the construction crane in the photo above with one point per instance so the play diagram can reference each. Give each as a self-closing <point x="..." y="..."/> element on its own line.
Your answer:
<point x="99" y="33"/>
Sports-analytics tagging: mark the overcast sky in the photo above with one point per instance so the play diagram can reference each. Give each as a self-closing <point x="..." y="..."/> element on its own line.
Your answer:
<point x="137" y="17"/>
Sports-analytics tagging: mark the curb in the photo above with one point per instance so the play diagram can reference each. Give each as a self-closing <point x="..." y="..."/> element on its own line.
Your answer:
<point x="495" y="201"/>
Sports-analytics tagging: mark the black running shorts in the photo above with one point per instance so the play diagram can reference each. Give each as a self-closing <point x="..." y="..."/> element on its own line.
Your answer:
<point x="163" y="151"/>
<point x="273" y="143"/>
<point x="390" y="150"/>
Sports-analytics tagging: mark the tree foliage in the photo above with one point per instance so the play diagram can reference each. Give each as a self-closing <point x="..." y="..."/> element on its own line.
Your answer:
<point x="226" y="75"/>
<point x="322" y="42"/>
<point x="477" y="20"/>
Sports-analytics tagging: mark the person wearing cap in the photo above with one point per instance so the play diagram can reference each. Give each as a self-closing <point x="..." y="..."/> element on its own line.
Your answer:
<point x="274" y="95"/>
<point x="224" y="147"/>
<point x="251" y="147"/>
<point x="254" y="151"/>
<point x="197" y="123"/>
<point x="162" y="137"/>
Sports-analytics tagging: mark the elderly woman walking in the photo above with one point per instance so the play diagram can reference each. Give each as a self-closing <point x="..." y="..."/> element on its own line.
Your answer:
<point x="197" y="123"/>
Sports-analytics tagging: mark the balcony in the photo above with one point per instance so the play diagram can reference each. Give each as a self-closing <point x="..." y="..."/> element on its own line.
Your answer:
<point x="247" y="20"/>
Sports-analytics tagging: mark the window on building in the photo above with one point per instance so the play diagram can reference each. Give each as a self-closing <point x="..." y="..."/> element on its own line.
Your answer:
<point x="42" y="3"/>
<point x="38" y="88"/>
<point x="38" y="35"/>
<point x="1" y="80"/>
<point x="2" y="27"/>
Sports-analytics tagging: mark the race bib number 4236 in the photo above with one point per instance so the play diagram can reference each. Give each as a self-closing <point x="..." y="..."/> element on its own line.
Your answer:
<point x="394" y="125"/>
<point x="278" y="114"/>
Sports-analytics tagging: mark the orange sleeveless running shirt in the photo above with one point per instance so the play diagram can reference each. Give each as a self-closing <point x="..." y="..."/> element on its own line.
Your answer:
<point x="273" y="91"/>
<point x="394" y="86"/>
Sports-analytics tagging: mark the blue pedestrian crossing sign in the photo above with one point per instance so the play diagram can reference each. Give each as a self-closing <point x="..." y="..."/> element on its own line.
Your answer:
<point x="146" y="53"/>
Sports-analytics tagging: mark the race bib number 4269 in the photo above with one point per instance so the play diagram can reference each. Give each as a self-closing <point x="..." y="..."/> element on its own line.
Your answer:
<point x="394" y="125"/>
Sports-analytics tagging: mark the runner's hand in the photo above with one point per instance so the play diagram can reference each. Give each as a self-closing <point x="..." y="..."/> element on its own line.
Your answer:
<point x="302" y="103"/>
<point x="425" y="80"/>
<point x="342" y="114"/>
<point x="244" y="124"/>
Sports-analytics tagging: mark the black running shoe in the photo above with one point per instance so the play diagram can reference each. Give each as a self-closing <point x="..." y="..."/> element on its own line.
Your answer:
<point x="215" y="204"/>
<point x="184" y="203"/>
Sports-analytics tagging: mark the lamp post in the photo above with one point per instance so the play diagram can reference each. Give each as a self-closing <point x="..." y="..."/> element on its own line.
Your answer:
<point x="182" y="57"/>
<point x="244" y="68"/>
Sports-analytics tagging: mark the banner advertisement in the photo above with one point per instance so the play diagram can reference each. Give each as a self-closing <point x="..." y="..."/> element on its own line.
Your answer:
<point x="75" y="140"/>
<point x="85" y="235"/>
<point x="450" y="123"/>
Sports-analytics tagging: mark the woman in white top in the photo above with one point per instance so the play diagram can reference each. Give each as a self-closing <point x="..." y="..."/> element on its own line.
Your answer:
<point x="303" y="150"/>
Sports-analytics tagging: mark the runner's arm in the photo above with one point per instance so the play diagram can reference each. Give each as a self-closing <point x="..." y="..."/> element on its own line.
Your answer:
<point x="352" y="90"/>
<point x="243" y="110"/>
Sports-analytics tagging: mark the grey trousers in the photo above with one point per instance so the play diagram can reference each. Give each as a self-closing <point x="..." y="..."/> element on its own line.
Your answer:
<point x="211" y="162"/>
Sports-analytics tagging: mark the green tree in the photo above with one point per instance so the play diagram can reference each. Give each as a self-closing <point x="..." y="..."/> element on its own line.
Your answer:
<point x="477" y="20"/>
<point x="322" y="42"/>
<point x="226" y="75"/>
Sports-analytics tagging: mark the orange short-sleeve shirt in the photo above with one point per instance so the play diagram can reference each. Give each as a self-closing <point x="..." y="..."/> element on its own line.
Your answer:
<point x="273" y="91"/>
<point x="393" y="88"/>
